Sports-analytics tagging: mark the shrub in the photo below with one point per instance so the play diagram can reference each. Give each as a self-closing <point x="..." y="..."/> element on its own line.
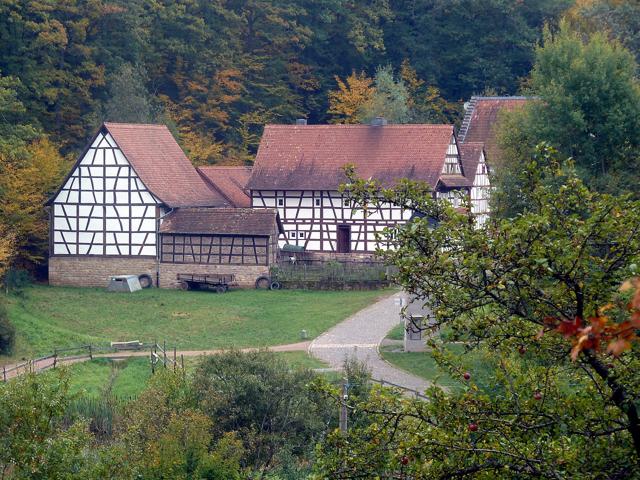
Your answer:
<point x="7" y="332"/>
<point x="17" y="280"/>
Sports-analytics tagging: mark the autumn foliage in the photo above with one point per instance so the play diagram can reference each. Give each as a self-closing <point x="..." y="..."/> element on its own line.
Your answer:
<point x="611" y="331"/>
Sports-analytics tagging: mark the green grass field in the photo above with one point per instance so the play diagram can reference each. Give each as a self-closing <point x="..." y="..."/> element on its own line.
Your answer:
<point x="49" y="317"/>
<point x="397" y="332"/>
<point x="125" y="379"/>
<point x="423" y="365"/>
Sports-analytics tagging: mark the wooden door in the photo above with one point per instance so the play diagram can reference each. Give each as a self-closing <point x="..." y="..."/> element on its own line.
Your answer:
<point x="344" y="239"/>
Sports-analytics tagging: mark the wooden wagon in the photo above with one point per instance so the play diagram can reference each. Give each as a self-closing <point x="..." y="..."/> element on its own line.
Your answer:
<point x="218" y="282"/>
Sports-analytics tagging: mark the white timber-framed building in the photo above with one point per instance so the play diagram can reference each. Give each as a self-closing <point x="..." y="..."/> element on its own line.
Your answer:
<point x="134" y="204"/>
<point x="299" y="169"/>
<point x="107" y="216"/>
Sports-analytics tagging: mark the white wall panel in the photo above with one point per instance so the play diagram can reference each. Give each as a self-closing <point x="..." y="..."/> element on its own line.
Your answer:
<point x="93" y="191"/>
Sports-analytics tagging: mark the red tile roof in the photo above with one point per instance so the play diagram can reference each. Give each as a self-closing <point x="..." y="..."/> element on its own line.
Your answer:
<point x="480" y="121"/>
<point x="162" y="165"/>
<point x="470" y="156"/>
<point x="227" y="221"/>
<point x="312" y="157"/>
<point x="230" y="182"/>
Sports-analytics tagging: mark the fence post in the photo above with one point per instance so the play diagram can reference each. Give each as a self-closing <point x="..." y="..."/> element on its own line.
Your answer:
<point x="164" y="352"/>
<point x="4" y="372"/>
<point x="55" y="357"/>
<point x="90" y="353"/>
<point x="153" y="370"/>
<point x="343" y="407"/>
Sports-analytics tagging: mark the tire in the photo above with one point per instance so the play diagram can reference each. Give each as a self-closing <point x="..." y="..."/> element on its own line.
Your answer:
<point x="183" y="285"/>
<point x="263" y="283"/>
<point x="221" y="288"/>
<point x="145" y="280"/>
<point x="275" y="286"/>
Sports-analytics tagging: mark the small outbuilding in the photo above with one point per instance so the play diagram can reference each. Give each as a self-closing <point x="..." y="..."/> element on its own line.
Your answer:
<point x="218" y="241"/>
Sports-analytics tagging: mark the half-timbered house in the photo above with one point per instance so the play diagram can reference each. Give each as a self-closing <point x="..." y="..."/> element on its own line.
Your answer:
<point x="106" y="216"/>
<point x="478" y="138"/>
<point x="299" y="169"/>
<point x="477" y="172"/>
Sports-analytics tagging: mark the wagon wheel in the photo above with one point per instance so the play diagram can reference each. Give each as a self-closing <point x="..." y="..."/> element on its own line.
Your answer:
<point x="221" y="288"/>
<point x="275" y="286"/>
<point x="263" y="282"/>
<point x="183" y="285"/>
<point x="145" y="280"/>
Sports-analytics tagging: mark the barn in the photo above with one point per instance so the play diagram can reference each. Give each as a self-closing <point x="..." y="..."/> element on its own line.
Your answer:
<point x="107" y="216"/>
<point x="299" y="169"/>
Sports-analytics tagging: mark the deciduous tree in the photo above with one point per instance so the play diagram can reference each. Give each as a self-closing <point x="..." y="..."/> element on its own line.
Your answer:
<point x="527" y="292"/>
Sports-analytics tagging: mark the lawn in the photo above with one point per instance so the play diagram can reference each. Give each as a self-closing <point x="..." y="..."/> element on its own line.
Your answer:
<point x="125" y="379"/>
<point x="49" y="317"/>
<point x="423" y="365"/>
<point x="103" y="377"/>
<point x="397" y="332"/>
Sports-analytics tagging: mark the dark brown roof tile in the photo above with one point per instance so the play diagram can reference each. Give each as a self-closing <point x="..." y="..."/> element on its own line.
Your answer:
<point x="222" y="221"/>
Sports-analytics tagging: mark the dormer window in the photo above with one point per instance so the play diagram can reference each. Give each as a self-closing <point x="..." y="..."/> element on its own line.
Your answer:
<point x="281" y="202"/>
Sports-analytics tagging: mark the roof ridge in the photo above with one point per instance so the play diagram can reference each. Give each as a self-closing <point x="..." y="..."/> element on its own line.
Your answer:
<point x="363" y="125"/>
<point x="131" y="124"/>
<point x="224" y="166"/>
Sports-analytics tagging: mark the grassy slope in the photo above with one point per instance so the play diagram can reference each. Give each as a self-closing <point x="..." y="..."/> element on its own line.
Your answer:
<point x="48" y="317"/>
<point x="125" y="379"/>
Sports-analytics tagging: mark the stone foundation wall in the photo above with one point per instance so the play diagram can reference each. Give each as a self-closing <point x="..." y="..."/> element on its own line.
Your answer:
<point x="246" y="275"/>
<point x="90" y="271"/>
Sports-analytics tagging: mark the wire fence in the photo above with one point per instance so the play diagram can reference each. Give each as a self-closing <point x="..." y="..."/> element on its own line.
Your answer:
<point x="159" y="355"/>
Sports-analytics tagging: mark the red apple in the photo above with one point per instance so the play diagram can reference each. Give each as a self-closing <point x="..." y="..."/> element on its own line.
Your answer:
<point x="466" y="375"/>
<point x="404" y="460"/>
<point x="537" y="395"/>
<point x="522" y="350"/>
<point x="473" y="427"/>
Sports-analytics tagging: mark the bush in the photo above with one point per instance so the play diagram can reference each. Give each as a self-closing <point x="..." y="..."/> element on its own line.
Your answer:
<point x="7" y="332"/>
<point x="17" y="280"/>
<point x="274" y="412"/>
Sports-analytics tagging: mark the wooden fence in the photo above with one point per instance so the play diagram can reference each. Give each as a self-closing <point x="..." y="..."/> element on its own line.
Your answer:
<point x="68" y="355"/>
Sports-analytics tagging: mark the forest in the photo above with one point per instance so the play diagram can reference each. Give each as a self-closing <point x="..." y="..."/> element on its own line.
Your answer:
<point x="219" y="70"/>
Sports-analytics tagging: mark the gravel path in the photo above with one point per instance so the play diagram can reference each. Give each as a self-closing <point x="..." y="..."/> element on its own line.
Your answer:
<point x="359" y="336"/>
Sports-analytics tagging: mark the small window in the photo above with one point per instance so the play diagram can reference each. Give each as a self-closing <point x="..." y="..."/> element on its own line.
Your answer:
<point x="347" y="203"/>
<point x="318" y="202"/>
<point x="301" y="234"/>
<point x="281" y="202"/>
<point x="292" y="234"/>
